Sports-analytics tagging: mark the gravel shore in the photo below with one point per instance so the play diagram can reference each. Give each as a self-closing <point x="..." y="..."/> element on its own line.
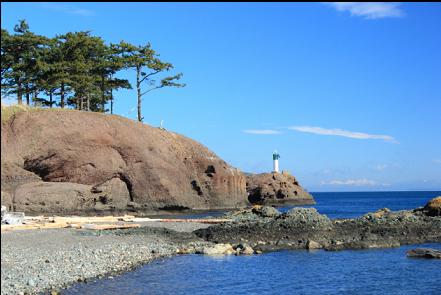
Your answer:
<point x="35" y="261"/>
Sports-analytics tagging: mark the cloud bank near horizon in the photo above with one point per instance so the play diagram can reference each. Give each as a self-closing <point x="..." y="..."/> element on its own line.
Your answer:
<point x="351" y="182"/>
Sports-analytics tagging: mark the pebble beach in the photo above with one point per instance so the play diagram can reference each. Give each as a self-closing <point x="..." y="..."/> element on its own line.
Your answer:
<point x="35" y="261"/>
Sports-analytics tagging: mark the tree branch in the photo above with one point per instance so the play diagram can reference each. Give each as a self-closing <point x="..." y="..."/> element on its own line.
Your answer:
<point x="148" y="75"/>
<point x="157" y="87"/>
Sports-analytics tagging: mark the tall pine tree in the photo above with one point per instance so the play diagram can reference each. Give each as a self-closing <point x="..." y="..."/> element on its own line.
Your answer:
<point x="147" y="65"/>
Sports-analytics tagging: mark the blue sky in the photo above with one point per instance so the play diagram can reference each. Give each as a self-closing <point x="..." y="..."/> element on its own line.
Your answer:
<point x="349" y="94"/>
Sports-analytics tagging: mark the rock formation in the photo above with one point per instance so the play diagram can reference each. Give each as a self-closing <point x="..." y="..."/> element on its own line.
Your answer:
<point x="276" y="188"/>
<point x="65" y="161"/>
<point x="433" y="207"/>
<point x="305" y="228"/>
<point x="424" y="253"/>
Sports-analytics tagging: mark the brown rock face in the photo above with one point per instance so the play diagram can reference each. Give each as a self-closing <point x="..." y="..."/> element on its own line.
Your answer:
<point x="433" y="207"/>
<point x="276" y="188"/>
<point x="47" y="197"/>
<point x="65" y="161"/>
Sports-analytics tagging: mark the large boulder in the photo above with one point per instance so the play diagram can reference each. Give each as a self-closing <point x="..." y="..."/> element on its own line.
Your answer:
<point x="276" y="189"/>
<point x="433" y="207"/>
<point x="310" y="216"/>
<point x="254" y="213"/>
<point x="119" y="162"/>
<point x="218" y="249"/>
<point x="60" y="197"/>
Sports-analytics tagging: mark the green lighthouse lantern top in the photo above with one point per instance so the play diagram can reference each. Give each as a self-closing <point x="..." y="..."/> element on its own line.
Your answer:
<point x="276" y="155"/>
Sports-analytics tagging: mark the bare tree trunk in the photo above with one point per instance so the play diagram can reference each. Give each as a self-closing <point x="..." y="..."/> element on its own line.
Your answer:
<point x="88" y="103"/>
<point x="138" y="89"/>
<point x="27" y="95"/>
<point x="50" y="99"/>
<point x="111" y="101"/>
<point x="103" y="97"/>
<point x="34" y="97"/>
<point x="19" y="92"/>
<point x="62" y="96"/>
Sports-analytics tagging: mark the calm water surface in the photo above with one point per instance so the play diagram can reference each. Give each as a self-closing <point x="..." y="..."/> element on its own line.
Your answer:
<point x="379" y="271"/>
<point x="350" y="204"/>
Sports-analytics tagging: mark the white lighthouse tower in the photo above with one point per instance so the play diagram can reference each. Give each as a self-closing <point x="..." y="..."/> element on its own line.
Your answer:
<point x="276" y="157"/>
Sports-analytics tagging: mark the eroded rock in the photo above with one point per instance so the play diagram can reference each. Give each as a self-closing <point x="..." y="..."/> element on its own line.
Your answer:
<point x="307" y="216"/>
<point x="433" y="207"/>
<point x="305" y="228"/>
<point x="276" y="188"/>
<point x="218" y="249"/>
<point x="123" y="160"/>
<point x="311" y="245"/>
<point x="50" y="197"/>
<point x="265" y="211"/>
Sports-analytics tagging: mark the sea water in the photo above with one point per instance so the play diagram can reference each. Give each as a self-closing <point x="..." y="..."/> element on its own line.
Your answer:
<point x="374" y="271"/>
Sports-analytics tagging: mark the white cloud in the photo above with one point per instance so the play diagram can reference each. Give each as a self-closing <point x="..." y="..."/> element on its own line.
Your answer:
<point x="380" y="167"/>
<point x="261" y="131"/>
<point x="68" y="9"/>
<point x="343" y="133"/>
<point x="370" y="10"/>
<point x="438" y="161"/>
<point x="350" y="182"/>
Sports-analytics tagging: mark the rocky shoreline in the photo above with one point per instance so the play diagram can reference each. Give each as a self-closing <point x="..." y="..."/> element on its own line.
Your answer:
<point x="266" y="229"/>
<point x="35" y="261"/>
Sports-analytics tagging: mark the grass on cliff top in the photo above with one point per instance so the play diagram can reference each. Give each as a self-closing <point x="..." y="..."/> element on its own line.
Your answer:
<point x="9" y="111"/>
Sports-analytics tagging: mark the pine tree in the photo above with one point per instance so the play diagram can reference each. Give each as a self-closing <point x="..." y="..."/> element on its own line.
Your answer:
<point x="107" y="65"/>
<point x="22" y="53"/>
<point x="78" y="67"/>
<point x="147" y="65"/>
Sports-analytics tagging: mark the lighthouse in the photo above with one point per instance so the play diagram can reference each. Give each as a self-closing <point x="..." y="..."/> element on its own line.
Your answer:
<point x="276" y="157"/>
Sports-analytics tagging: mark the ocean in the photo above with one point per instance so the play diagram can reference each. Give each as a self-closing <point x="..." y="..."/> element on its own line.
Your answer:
<point x="374" y="271"/>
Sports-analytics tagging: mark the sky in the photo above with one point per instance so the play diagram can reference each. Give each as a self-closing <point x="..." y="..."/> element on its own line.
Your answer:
<point x="349" y="94"/>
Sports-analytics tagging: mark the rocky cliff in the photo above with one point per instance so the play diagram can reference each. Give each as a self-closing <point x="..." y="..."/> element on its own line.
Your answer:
<point x="276" y="189"/>
<point x="65" y="161"/>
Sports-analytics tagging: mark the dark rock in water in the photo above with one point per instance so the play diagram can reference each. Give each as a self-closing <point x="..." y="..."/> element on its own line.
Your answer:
<point x="305" y="228"/>
<point x="424" y="253"/>
<point x="276" y="188"/>
<point x="96" y="162"/>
